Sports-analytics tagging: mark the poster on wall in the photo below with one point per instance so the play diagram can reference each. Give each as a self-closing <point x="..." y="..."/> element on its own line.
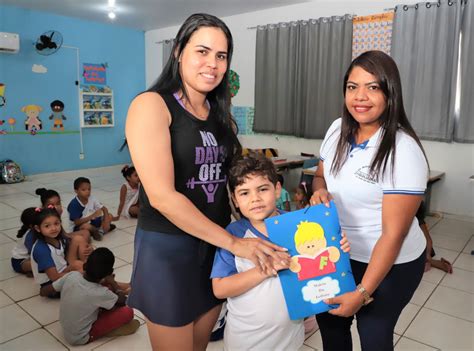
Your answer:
<point x="243" y="116"/>
<point x="94" y="73"/>
<point x="372" y="32"/>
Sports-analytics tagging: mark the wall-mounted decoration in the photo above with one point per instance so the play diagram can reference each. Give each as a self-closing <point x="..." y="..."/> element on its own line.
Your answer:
<point x="243" y="116"/>
<point x="234" y="83"/>
<point x="95" y="73"/>
<point x="11" y="122"/>
<point x="57" y="107"/>
<point x="39" y="69"/>
<point x="3" y="101"/>
<point x="97" y="106"/>
<point x="33" y="123"/>
<point x="372" y="33"/>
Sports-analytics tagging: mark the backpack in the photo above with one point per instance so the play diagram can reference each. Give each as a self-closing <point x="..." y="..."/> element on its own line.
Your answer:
<point x="10" y="172"/>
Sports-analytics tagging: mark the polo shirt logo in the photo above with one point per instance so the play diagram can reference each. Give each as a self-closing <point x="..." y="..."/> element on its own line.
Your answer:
<point x="363" y="174"/>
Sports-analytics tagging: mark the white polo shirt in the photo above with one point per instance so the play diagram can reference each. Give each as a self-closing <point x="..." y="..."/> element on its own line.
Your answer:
<point x="358" y="196"/>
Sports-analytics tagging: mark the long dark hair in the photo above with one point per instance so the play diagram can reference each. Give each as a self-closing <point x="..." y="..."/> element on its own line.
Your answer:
<point x="27" y="218"/>
<point x="393" y="118"/>
<point x="170" y="81"/>
<point x="41" y="215"/>
<point x="46" y="194"/>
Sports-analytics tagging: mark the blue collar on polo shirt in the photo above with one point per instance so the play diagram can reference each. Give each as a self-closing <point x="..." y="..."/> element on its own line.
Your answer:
<point x="371" y="142"/>
<point x="360" y="146"/>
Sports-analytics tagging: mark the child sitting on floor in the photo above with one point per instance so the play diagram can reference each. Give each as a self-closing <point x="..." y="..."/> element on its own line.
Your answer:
<point x="86" y="212"/>
<point x="283" y="202"/>
<point x="442" y="263"/>
<point x="48" y="255"/>
<point x="21" y="262"/>
<point x="257" y="317"/>
<point x="128" y="206"/>
<point x="78" y="242"/>
<point x="88" y="309"/>
<point x="302" y="196"/>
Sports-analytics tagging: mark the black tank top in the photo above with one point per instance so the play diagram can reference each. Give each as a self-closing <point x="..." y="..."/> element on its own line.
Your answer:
<point x="201" y="156"/>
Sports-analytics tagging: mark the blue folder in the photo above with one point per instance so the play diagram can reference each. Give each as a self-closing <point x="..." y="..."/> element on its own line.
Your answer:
<point x="320" y="269"/>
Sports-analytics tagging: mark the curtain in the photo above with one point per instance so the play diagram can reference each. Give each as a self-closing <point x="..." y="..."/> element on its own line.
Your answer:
<point x="464" y="129"/>
<point x="299" y="74"/>
<point x="425" y="44"/>
<point x="325" y="54"/>
<point x="167" y="47"/>
<point x="276" y="71"/>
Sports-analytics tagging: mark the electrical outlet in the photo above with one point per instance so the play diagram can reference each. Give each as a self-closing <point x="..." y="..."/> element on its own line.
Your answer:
<point x="81" y="156"/>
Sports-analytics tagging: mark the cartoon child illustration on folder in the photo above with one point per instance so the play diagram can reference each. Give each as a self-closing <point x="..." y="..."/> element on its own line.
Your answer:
<point x="314" y="259"/>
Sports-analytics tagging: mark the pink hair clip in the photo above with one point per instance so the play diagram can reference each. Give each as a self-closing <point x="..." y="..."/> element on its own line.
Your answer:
<point x="38" y="209"/>
<point x="50" y="206"/>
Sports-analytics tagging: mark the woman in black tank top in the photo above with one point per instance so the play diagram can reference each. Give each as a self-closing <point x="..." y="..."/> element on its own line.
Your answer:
<point x="182" y="139"/>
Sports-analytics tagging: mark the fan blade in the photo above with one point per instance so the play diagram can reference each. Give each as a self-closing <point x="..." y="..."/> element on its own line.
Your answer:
<point x="39" y="46"/>
<point x="44" y="39"/>
<point x="52" y="45"/>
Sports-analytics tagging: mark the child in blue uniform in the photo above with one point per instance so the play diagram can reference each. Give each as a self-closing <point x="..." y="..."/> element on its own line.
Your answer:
<point x="48" y="260"/>
<point x="257" y="316"/>
<point x="20" y="260"/>
<point x="86" y="212"/>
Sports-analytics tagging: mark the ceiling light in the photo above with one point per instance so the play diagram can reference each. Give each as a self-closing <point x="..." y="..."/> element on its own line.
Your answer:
<point x="111" y="15"/>
<point x="111" y="3"/>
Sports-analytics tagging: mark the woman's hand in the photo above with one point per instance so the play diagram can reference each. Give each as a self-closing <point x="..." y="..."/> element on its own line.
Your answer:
<point x="345" y="246"/>
<point x="263" y="254"/>
<point x="320" y="196"/>
<point x="349" y="303"/>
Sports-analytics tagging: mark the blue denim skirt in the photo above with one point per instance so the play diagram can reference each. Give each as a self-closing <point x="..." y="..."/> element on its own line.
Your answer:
<point x="170" y="278"/>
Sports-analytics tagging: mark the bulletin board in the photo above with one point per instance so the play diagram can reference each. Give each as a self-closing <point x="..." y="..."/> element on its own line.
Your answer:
<point x="244" y="116"/>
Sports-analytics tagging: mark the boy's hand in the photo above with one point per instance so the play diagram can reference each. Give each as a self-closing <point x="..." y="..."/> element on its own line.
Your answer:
<point x="260" y="252"/>
<point x="97" y="213"/>
<point x="345" y="246"/>
<point x="115" y="218"/>
<point x="279" y="264"/>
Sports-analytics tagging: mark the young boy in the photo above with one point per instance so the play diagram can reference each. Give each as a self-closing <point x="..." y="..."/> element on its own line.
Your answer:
<point x="82" y="298"/>
<point x="86" y="212"/>
<point x="257" y="316"/>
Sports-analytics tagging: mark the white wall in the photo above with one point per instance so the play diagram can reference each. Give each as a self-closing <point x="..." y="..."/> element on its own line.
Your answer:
<point x="454" y="194"/>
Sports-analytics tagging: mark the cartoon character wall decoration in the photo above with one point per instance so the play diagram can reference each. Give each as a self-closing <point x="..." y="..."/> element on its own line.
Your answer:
<point x="3" y="101"/>
<point x="33" y="123"/>
<point x="57" y="107"/>
<point x="319" y="269"/>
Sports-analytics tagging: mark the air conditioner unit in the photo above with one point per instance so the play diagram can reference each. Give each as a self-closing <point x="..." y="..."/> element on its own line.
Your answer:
<point x="9" y="43"/>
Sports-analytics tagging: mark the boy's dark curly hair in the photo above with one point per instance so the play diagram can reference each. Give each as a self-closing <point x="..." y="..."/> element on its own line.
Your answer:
<point x="253" y="164"/>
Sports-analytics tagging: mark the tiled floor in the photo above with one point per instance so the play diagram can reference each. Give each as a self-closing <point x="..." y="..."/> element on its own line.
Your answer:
<point x="439" y="317"/>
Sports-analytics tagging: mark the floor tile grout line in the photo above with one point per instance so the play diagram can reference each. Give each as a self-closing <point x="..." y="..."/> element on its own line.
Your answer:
<point x="54" y="336"/>
<point x="450" y="315"/>
<point x="420" y="342"/>
<point x="19" y="336"/>
<point x="424" y="303"/>
<point x="29" y="314"/>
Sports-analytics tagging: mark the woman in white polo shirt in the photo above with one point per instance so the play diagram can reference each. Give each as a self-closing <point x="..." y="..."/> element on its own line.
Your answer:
<point x="374" y="168"/>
